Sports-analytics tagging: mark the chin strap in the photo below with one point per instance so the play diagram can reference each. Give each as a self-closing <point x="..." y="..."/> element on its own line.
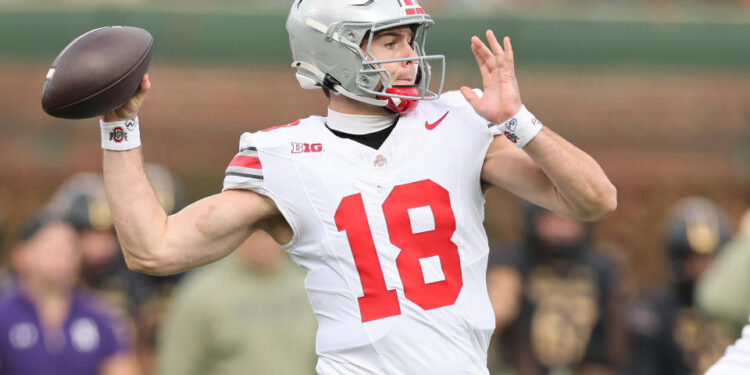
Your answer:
<point x="393" y="104"/>
<point x="309" y="83"/>
<point x="400" y="105"/>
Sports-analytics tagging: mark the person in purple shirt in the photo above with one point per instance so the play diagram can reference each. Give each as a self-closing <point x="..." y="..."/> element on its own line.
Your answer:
<point x="47" y="324"/>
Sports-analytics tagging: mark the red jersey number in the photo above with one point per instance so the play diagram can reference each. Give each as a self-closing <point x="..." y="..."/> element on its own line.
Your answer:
<point x="379" y="302"/>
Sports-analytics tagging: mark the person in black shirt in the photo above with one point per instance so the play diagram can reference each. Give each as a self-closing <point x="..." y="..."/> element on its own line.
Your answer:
<point x="554" y="299"/>
<point x="667" y="333"/>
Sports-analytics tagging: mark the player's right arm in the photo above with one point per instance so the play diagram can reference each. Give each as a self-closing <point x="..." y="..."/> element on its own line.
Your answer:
<point x="201" y="233"/>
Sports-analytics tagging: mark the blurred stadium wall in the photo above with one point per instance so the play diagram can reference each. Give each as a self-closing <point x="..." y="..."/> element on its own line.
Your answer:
<point x="658" y="92"/>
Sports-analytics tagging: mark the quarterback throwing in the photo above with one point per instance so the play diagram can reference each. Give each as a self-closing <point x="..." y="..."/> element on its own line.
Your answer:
<point x="381" y="201"/>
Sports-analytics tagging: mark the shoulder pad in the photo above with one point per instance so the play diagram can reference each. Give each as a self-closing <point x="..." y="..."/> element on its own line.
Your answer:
<point x="277" y="135"/>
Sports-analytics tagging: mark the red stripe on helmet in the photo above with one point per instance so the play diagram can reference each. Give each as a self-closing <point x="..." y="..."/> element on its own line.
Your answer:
<point x="412" y="7"/>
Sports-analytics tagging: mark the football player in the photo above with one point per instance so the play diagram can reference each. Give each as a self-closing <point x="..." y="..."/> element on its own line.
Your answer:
<point x="381" y="202"/>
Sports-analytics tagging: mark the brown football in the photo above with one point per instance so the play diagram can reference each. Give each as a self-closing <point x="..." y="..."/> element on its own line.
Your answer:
<point x="97" y="72"/>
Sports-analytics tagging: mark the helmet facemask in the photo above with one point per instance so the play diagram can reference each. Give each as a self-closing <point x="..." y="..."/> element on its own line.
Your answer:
<point x="373" y="69"/>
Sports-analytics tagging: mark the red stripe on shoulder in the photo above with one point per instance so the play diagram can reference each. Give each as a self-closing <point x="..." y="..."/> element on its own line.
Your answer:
<point x="246" y="161"/>
<point x="282" y="126"/>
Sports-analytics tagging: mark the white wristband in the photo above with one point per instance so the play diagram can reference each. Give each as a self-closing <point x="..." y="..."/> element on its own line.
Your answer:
<point x="521" y="128"/>
<point x="120" y="135"/>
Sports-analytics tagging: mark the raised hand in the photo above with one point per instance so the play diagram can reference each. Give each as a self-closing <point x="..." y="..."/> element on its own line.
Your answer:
<point x="501" y="99"/>
<point x="130" y="109"/>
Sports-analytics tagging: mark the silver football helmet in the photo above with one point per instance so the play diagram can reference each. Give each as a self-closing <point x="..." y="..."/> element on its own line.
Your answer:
<point x="325" y="38"/>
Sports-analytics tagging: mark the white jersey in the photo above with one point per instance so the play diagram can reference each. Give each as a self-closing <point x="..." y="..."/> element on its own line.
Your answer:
<point x="736" y="360"/>
<point x="392" y="239"/>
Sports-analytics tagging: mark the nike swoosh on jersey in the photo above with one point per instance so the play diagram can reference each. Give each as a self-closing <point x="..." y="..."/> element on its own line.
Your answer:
<point x="436" y="123"/>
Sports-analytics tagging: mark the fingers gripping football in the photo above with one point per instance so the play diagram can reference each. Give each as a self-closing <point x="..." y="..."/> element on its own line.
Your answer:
<point x="131" y="108"/>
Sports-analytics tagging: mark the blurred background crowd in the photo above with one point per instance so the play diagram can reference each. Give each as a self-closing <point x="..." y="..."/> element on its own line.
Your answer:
<point x="658" y="91"/>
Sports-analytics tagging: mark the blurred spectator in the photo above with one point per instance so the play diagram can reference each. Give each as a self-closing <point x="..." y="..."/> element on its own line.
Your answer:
<point x="736" y="359"/>
<point x="83" y="200"/>
<point x="668" y="335"/>
<point x="724" y="290"/>
<point x="47" y="324"/>
<point x="554" y="299"/>
<point x="248" y="314"/>
<point x="149" y="321"/>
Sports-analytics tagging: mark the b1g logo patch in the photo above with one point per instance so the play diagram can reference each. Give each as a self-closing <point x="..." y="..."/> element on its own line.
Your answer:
<point x="118" y="135"/>
<point x="299" y="148"/>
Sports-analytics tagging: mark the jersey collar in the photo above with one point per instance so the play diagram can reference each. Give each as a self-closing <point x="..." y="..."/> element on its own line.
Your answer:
<point x="358" y="124"/>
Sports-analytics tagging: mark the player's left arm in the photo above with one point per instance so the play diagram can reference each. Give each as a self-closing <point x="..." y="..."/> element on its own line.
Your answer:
<point x="549" y="171"/>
